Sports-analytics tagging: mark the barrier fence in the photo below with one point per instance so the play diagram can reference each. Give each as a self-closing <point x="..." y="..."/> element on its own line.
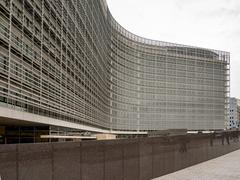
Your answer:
<point x="125" y="159"/>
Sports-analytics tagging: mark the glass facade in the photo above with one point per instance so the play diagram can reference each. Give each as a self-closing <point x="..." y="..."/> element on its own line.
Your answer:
<point x="70" y="60"/>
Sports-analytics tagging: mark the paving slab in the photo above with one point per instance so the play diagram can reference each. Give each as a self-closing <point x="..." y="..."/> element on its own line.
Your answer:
<point x="225" y="167"/>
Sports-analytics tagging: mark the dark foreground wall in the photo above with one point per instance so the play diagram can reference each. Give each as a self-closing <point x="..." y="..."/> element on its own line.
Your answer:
<point x="129" y="159"/>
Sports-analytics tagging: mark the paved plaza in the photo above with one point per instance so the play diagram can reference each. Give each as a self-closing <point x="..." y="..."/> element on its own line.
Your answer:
<point x="226" y="167"/>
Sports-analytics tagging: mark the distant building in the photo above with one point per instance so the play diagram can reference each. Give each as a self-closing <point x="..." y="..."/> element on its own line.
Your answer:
<point x="234" y="113"/>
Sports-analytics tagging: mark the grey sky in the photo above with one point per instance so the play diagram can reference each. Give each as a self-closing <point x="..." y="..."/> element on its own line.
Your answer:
<point x="213" y="24"/>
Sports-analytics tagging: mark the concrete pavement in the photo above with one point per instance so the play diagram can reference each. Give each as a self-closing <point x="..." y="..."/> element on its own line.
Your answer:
<point x="225" y="167"/>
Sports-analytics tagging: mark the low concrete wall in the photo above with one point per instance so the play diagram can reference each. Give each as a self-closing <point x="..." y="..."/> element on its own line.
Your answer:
<point x="127" y="159"/>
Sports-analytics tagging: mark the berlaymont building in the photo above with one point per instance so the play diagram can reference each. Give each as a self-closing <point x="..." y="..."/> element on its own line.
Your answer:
<point x="68" y="63"/>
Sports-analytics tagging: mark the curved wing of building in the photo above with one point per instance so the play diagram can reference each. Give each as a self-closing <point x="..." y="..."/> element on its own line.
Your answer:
<point x="69" y="63"/>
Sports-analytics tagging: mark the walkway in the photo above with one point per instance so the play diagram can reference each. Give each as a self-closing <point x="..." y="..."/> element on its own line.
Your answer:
<point x="226" y="167"/>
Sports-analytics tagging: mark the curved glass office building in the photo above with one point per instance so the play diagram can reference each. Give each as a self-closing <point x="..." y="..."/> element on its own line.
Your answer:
<point x="69" y="63"/>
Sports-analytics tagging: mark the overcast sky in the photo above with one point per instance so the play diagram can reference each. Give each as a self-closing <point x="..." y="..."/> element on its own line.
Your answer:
<point x="213" y="24"/>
